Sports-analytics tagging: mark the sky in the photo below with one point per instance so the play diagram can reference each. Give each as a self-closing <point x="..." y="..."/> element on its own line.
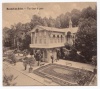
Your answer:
<point x="11" y="17"/>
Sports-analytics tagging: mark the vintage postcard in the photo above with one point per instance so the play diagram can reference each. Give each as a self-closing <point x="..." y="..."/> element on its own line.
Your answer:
<point x="49" y="44"/>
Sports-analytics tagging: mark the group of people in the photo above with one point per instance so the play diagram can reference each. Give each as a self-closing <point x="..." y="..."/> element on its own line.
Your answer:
<point x="38" y="56"/>
<point x="31" y="59"/>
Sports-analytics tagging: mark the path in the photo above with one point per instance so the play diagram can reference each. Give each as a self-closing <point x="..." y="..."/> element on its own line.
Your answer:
<point x="25" y="78"/>
<point x="22" y="79"/>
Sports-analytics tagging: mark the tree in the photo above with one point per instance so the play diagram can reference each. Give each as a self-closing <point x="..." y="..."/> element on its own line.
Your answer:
<point x="61" y="17"/>
<point x="58" y="23"/>
<point x="17" y="34"/>
<point x="51" y="22"/>
<point x="66" y="19"/>
<point x="26" y="42"/>
<point x="89" y="12"/>
<point x="75" y="16"/>
<point x="6" y="37"/>
<point x="86" y="41"/>
<point x="10" y="36"/>
<point x="8" y="78"/>
<point x="36" y="20"/>
<point x="27" y="27"/>
<point x="45" y="22"/>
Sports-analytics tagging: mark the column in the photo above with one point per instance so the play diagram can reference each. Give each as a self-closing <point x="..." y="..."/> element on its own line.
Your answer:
<point x="31" y="39"/>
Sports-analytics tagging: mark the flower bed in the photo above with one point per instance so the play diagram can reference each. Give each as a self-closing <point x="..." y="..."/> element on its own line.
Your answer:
<point x="65" y="75"/>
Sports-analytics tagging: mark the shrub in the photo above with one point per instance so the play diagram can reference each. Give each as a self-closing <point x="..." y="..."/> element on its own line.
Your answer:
<point x="73" y="54"/>
<point x="94" y="60"/>
<point x="9" y="80"/>
<point x="82" y="76"/>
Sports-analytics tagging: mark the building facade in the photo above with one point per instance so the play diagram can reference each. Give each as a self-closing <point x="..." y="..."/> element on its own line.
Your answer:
<point x="49" y="40"/>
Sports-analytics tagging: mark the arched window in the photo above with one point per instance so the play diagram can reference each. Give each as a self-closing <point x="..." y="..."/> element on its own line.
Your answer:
<point x="53" y="38"/>
<point x="61" y="38"/>
<point x="58" y="38"/>
<point x="68" y="35"/>
<point x="33" y="38"/>
<point x="37" y="30"/>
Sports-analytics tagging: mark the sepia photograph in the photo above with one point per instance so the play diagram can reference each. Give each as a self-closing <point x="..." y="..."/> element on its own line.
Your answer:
<point x="49" y="44"/>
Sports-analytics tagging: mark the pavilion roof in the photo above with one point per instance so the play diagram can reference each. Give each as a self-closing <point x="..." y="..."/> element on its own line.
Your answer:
<point x="65" y="30"/>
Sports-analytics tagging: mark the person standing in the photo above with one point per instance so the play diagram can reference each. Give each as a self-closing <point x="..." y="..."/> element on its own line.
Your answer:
<point x="58" y="55"/>
<point x="38" y="57"/>
<point x="25" y="63"/>
<point x="13" y="59"/>
<point x="52" y="58"/>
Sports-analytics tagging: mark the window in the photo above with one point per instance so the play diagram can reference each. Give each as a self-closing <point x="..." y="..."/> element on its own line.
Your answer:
<point x="35" y="34"/>
<point x="36" y="40"/>
<point x="53" y="38"/>
<point x="32" y="40"/>
<point x="40" y="34"/>
<point x="45" y="33"/>
<point x="45" y="41"/>
<point x="37" y="30"/>
<point x="40" y="41"/>
<point x="61" y="38"/>
<point x="58" y="38"/>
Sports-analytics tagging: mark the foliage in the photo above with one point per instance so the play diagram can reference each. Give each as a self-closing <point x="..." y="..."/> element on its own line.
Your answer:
<point x="82" y="76"/>
<point x="73" y="53"/>
<point x="86" y="41"/>
<point x="9" y="80"/>
<point x="94" y="60"/>
<point x="26" y="42"/>
<point x="89" y="12"/>
<point x="18" y="36"/>
<point x="11" y="58"/>
<point x="75" y="16"/>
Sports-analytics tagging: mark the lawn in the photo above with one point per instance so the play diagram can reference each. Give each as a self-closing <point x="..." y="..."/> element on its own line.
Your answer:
<point x="65" y="75"/>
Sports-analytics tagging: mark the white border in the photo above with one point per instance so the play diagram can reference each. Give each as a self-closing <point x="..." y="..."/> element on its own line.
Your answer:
<point x="51" y="87"/>
<point x="50" y="0"/>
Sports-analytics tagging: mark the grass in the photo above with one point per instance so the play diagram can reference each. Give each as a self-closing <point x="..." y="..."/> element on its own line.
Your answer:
<point x="65" y="75"/>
